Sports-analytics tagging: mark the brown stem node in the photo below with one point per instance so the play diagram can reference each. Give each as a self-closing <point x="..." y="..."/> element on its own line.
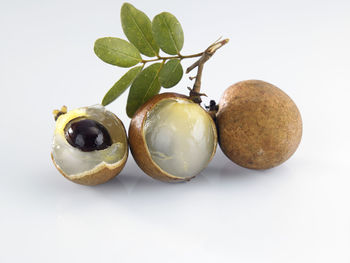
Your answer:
<point x="196" y="96"/>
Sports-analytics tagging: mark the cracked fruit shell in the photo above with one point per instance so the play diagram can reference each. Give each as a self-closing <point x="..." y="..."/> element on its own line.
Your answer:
<point x="89" y="145"/>
<point x="171" y="138"/>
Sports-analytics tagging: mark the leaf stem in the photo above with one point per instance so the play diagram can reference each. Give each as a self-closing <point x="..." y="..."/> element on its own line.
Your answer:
<point x="144" y="61"/>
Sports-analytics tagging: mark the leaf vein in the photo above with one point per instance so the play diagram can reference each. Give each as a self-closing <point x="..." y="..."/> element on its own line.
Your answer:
<point x="118" y="51"/>
<point x="155" y="77"/>
<point x="142" y="33"/>
<point x="171" y="35"/>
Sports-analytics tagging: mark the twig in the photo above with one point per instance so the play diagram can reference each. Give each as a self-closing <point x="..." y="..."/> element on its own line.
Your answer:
<point x="195" y="94"/>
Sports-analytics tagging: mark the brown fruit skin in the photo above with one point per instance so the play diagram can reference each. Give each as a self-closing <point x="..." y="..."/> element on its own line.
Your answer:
<point x="138" y="146"/>
<point x="259" y="126"/>
<point x="101" y="176"/>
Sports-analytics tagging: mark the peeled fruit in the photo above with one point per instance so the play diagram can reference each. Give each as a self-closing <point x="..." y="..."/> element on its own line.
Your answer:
<point x="172" y="138"/>
<point x="259" y="126"/>
<point x="89" y="145"/>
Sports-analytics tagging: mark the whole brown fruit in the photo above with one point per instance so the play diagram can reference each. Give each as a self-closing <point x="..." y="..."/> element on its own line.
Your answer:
<point x="259" y="126"/>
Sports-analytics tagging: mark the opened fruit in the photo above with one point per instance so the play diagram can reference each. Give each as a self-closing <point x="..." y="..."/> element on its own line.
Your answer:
<point x="172" y="138"/>
<point x="90" y="145"/>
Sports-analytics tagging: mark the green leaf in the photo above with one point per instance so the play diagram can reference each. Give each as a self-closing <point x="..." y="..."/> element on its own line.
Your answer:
<point x="171" y="73"/>
<point x="138" y="29"/>
<point x="144" y="87"/>
<point x="117" y="52"/>
<point x="121" y="85"/>
<point x="168" y="33"/>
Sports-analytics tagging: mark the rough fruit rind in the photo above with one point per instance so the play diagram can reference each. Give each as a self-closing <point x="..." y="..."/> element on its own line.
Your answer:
<point x="259" y="125"/>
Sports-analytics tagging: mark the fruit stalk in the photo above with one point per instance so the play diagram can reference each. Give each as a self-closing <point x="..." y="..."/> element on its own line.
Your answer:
<point x="195" y="94"/>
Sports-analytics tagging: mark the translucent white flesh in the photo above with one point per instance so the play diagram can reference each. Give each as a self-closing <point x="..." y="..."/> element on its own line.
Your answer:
<point x="180" y="137"/>
<point x="73" y="161"/>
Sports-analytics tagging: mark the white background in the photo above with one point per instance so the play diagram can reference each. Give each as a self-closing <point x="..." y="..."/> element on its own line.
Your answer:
<point x="297" y="212"/>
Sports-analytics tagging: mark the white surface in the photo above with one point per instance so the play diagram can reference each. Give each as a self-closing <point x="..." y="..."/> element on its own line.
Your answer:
<point x="298" y="212"/>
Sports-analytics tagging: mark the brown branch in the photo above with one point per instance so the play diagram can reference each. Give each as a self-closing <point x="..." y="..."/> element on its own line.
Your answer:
<point x="195" y="94"/>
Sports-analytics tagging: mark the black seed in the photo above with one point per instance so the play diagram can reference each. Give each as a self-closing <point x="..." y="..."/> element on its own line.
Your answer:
<point x="87" y="135"/>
